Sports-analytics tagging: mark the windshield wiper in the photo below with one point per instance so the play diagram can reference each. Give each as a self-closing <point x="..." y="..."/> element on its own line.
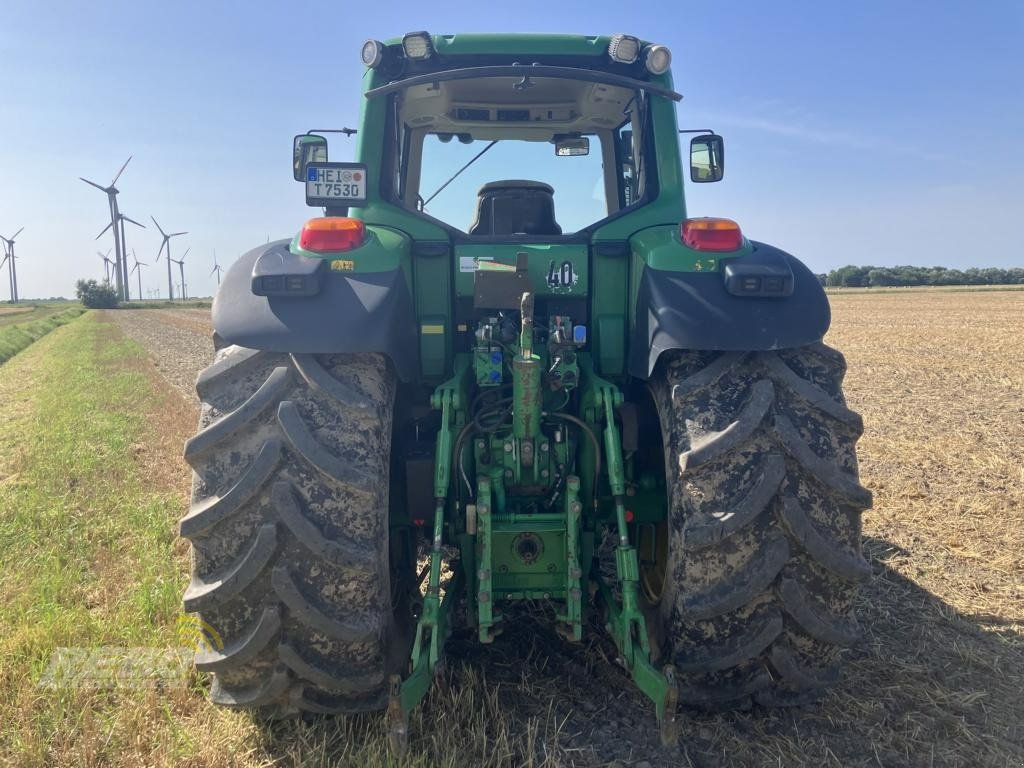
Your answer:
<point x="456" y="174"/>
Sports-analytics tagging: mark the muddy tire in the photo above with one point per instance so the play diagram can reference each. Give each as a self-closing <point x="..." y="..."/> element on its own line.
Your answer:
<point x="763" y="540"/>
<point x="289" y="532"/>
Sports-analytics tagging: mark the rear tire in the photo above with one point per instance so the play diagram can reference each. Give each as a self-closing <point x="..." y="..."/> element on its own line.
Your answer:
<point x="289" y="532"/>
<point x="763" y="532"/>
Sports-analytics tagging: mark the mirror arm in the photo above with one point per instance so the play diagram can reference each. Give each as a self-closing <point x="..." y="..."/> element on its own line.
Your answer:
<point x="346" y="131"/>
<point x="697" y="130"/>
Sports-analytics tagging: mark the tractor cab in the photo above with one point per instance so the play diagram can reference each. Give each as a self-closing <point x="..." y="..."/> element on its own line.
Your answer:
<point x="588" y="123"/>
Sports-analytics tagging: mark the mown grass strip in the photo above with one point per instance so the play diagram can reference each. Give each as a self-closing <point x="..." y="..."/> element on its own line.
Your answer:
<point x="87" y="546"/>
<point x="11" y="314"/>
<point x="17" y="336"/>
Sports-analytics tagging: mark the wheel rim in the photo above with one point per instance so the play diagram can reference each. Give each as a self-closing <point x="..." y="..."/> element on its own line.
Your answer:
<point x="652" y="551"/>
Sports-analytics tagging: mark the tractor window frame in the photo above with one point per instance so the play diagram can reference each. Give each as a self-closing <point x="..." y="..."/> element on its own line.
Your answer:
<point x="397" y="149"/>
<point x="640" y="123"/>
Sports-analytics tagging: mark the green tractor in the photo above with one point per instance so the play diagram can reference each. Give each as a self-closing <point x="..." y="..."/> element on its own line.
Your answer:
<point x="428" y="408"/>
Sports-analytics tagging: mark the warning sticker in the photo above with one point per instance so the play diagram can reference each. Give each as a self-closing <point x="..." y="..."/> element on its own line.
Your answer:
<point x="470" y="263"/>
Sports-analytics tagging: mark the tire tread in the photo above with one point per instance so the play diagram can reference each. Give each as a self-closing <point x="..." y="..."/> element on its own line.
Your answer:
<point x="765" y="524"/>
<point x="293" y="451"/>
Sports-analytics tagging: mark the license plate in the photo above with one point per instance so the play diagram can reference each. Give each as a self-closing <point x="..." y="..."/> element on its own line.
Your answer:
<point x="329" y="184"/>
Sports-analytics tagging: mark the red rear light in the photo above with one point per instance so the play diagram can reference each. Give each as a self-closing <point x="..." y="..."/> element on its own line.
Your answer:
<point x="711" y="234"/>
<point x="332" y="233"/>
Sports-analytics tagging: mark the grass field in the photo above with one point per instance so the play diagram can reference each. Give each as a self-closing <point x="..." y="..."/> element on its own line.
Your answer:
<point x="91" y="486"/>
<point x="89" y="555"/>
<point x="23" y="324"/>
<point x="11" y="314"/>
<point x="20" y="326"/>
<point x="16" y="309"/>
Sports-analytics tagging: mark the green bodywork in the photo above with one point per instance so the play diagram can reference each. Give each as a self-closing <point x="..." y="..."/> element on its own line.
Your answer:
<point x="525" y="497"/>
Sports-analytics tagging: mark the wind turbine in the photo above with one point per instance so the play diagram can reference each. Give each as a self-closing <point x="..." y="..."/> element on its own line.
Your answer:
<point x="139" y="271"/>
<point x="167" y="244"/>
<point x="216" y="267"/>
<point x="121" y="219"/>
<point x="107" y="264"/>
<point x="10" y="280"/>
<point x="119" y="255"/>
<point x="9" y="257"/>
<point x="181" y="271"/>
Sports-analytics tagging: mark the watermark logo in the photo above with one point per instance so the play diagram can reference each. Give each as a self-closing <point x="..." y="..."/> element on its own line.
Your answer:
<point x="109" y="667"/>
<point x="195" y="632"/>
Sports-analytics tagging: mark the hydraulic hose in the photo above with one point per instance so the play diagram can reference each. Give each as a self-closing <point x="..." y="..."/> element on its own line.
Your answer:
<point x="457" y="453"/>
<point x="590" y="435"/>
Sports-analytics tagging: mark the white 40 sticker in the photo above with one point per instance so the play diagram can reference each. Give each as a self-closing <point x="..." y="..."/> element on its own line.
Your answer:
<point x="561" y="275"/>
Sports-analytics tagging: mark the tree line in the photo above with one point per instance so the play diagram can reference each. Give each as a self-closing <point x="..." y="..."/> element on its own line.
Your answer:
<point x="866" y="277"/>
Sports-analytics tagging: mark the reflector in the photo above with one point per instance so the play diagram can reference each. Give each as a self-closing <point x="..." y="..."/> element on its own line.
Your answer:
<point x="707" y="234"/>
<point x="332" y="233"/>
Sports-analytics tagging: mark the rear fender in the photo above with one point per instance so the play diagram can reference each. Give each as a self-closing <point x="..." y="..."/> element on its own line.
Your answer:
<point x="329" y="312"/>
<point x="727" y="309"/>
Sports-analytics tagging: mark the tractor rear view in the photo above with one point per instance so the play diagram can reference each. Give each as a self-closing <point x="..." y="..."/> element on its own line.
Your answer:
<point x="457" y="391"/>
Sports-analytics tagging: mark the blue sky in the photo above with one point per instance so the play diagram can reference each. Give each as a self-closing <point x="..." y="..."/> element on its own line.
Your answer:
<point x="882" y="132"/>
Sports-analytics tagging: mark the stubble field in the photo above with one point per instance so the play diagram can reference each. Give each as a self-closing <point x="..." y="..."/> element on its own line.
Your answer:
<point x="92" y="484"/>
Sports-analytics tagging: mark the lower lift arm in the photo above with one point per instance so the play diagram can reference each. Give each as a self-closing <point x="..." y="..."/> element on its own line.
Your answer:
<point x="626" y="622"/>
<point x="433" y="627"/>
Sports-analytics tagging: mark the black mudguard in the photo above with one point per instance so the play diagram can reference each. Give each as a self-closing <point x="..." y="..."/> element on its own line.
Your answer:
<point x="707" y="311"/>
<point x="348" y="312"/>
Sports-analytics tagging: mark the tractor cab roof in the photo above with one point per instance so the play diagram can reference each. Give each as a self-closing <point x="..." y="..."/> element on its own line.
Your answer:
<point x="515" y="44"/>
<point x="421" y="58"/>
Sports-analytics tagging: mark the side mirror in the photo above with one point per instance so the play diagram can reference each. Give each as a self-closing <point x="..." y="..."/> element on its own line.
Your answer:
<point x="707" y="158"/>
<point x="572" y="147"/>
<point x="307" y="148"/>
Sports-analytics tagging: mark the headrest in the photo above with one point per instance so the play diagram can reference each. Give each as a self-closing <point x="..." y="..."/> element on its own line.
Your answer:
<point x="511" y="184"/>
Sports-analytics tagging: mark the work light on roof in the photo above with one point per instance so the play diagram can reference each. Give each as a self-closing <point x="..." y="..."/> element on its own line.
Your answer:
<point x="417" y="45"/>
<point x="624" y="49"/>
<point x="657" y="59"/>
<point x="372" y="53"/>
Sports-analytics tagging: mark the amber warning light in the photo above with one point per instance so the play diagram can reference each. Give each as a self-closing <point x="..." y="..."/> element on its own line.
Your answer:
<point x="332" y="234"/>
<point x="716" y="235"/>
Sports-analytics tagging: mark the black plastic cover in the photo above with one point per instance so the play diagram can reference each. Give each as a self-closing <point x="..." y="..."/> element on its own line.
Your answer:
<point x="760" y="274"/>
<point x="279" y="272"/>
<point x="695" y="310"/>
<point x="369" y="312"/>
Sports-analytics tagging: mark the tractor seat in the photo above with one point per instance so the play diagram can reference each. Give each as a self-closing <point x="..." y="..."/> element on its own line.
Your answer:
<point x="515" y="207"/>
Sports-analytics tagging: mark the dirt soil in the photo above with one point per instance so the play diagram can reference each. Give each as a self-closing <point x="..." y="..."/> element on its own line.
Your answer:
<point x="179" y="341"/>
<point x="939" y="674"/>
